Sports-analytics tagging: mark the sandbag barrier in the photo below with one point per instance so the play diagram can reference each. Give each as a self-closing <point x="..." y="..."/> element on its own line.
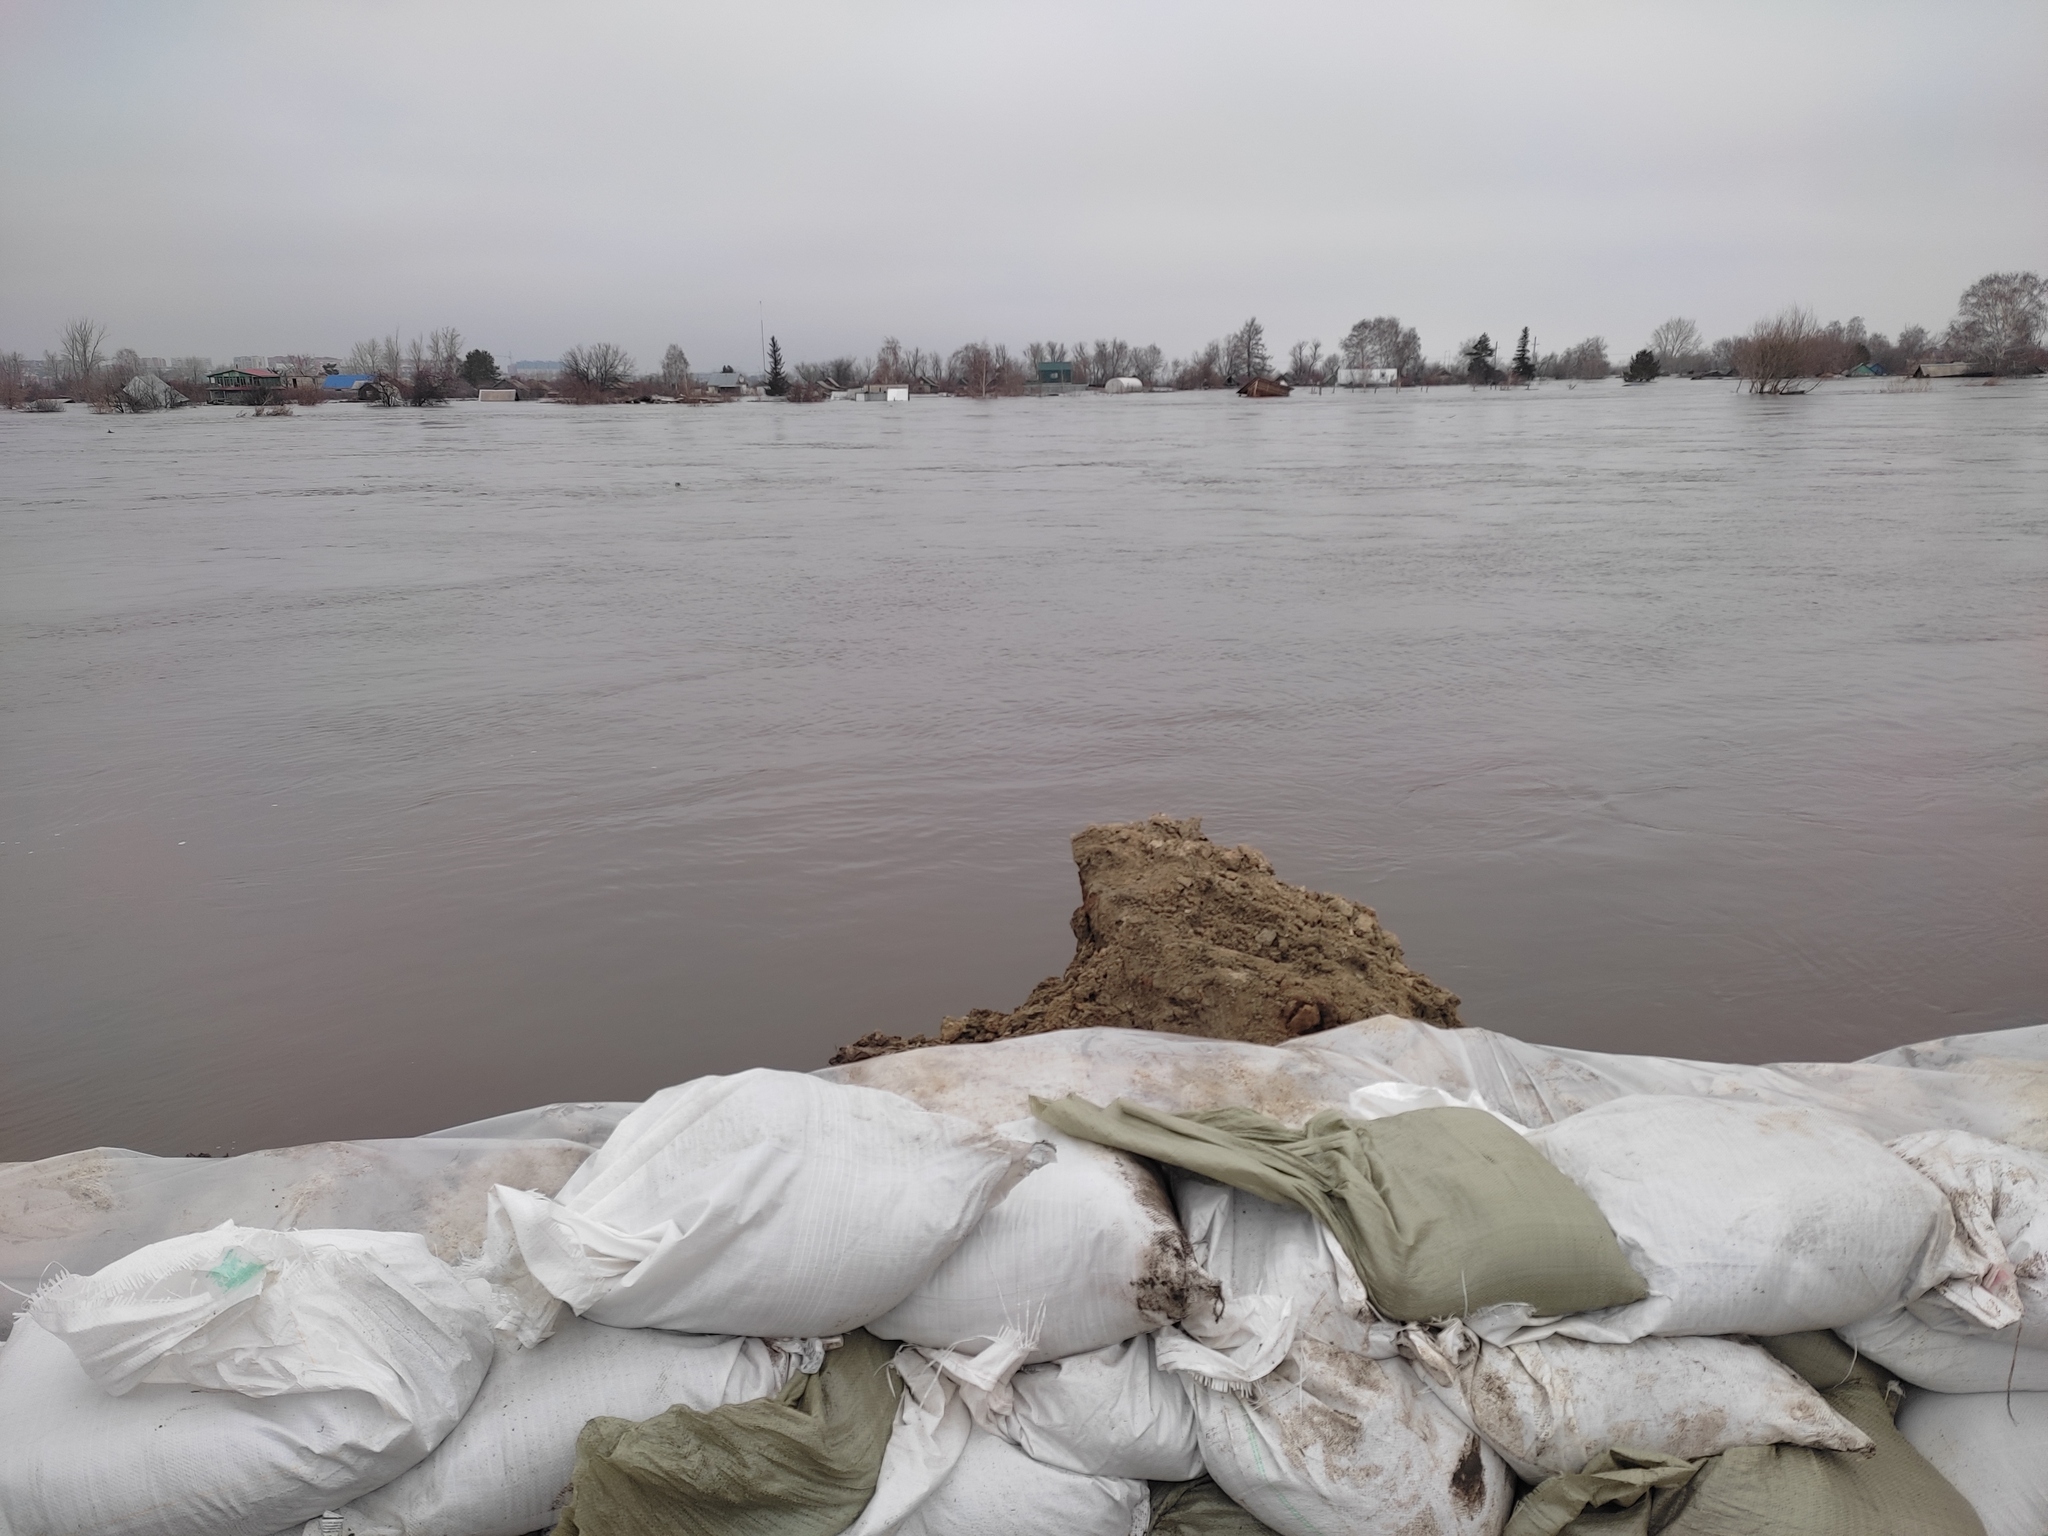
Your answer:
<point x="1385" y="1277"/>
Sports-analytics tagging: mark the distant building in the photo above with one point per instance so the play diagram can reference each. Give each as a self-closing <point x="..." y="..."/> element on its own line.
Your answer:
<point x="1124" y="386"/>
<point x="242" y="386"/>
<point x="497" y="396"/>
<point x="885" y="394"/>
<point x="536" y="368"/>
<point x="727" y="381"/>
<point x="1367" y="378"/>
<point x="345" y="382"/>
<point x="1056" y="372"/>
<point x="252" y="362"/>
<point x="1929" y="369"/>
<point x="1865" y="371"/>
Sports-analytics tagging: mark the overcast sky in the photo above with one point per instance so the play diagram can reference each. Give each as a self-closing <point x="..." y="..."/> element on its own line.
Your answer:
<point x="234" y="178"/>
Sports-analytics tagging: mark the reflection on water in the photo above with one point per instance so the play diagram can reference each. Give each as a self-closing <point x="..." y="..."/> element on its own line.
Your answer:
<point x="368" y="771"/>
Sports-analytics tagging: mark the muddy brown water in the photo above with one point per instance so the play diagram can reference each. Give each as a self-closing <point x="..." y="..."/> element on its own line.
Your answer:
<point x="363" y="772"/>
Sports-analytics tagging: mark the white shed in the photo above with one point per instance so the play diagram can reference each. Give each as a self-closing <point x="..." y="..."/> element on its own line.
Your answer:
<point x="1124" y="387"/>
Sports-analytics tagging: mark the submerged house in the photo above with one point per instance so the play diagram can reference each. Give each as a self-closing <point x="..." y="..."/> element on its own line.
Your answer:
<point x="243" y="386"/>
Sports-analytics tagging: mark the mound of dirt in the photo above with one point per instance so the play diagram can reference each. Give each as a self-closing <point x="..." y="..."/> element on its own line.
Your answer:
<point x="1177" y="934"/>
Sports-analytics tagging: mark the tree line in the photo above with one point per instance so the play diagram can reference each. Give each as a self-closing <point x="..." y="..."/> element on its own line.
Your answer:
<point x="1997" y="329"/>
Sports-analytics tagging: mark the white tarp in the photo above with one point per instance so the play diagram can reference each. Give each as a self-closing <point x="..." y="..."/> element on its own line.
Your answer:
<point x="765" y="1203"/>
<point x="83" y="1210"/>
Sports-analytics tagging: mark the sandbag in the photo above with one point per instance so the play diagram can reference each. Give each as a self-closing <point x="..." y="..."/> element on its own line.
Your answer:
<point x="1930" y="1348"/>
<point x="232" y="1383"/>
<point x="1198" y="1507"/>
<point x="1747" y="1219"/>
<point x="505" y="1470"/>
<point x="1109" y="1413"/>
<point x="1330" y="1439"/>
<point x="82" y="1211"/>
<point x="800" y="1463"/>
<point x="1774" y="1490"/>
<point x="995" y="1489"/>
<point x="1992" y="1447"/>
<point x="1551" y="1406"/>
<point x="1940" y="1340"/>
<point x="766" y="1203"/>
<point x="1441" y="1211"/>
<point x="1084" y="1253"/>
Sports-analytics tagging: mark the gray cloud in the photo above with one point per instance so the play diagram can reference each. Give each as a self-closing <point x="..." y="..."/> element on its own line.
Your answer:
<point x="265" y="178"/>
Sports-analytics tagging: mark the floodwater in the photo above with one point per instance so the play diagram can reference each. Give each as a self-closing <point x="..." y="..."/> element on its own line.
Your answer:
<point x="366" y="771"/>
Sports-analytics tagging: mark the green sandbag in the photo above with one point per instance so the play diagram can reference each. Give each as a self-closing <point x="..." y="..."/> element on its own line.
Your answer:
<point x="801" y="1463"/>
<point x="1789" y="1490"/>
<point x="1200" y="1508"/>
<point x="1441" y="1211"/>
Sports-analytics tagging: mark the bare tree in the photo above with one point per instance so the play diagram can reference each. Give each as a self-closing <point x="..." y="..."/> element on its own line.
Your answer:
<point x="600" y="366"/>
<point x="1382" y="342"/>
<point x="1046" y="352"/>
<point x="13" y="380"/>
<point x="380" y="358"/>
<point x="1306" y="363"/>
<point x="1245" y="352"/>
<point x="191" y="370"/>
<point x="978" y="369"/>
<point x="444" y="353"/>
<point x="1677" y="343"/>
<point x="675" y="370"/>
<point x="1777" y="352"/>
<point x="1205" y="370"/>
<point x="126" y="365"/>
<point x="79" y="357"/>
<point x="1999" y="319"/>
<point x="1146" y="364"/>
<point x="1583" y="360"/>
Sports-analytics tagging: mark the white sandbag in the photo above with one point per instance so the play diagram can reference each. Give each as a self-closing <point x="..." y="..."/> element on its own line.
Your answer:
<point x="1994" y="1450"/>
<point x="1084" y="1253"/>
<point x="765" y="1203"/>
<point x="995" y="1489"/>
<point x="1342" y="1435"/>
<point x="2000" y="1197"/>
<point x="232" y="1383"/>
<point x="1940" y="1353"/>
<point x="1944" y="1340"/>
<point x="80" y="1212"/>
<point x="505" y="1469"/>
<point x="1993" y="1094"/>
<point x="1743" y="1218"/>
<point x="992" y="1083"/>
<point x="1549" y="1407"/>
<point x="1108" y="1413"/>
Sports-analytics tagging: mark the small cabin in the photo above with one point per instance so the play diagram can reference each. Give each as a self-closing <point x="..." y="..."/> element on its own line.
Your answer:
<point x="1061" y="372"/>
<point x="242" y="386"/>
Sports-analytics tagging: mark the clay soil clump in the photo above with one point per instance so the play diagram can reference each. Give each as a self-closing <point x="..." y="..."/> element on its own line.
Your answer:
<point x="1174" y="933"/>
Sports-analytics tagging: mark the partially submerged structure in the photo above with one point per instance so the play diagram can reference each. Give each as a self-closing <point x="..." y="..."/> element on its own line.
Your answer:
<point x="243" y="386"/>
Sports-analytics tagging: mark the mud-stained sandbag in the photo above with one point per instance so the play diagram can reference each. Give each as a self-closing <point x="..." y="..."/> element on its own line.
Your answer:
<point x="995" y="1489"/>
<point x="1081" y="1255"/>
<point x="1441" y="1211"/>
<point x="800" y="1463"/>
<point x="1330" y="1439"/>
<point x="1937" y="1341"/>
<point x="1198" y="1507"/>
<point x="1551" y="1406"/>
<point x="765" y="1203"/>
<point x="82" y="1211"/>
<point x="232" y="1383"/>
<point x="505" y="1469"/>
<point x="1747" y="1219"/>
<point x="1776" y="1490"/>
<point x="1993" y="1447"/>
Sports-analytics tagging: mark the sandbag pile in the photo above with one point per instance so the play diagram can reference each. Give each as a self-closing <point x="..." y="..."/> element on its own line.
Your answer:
<point x="1382" y="1278"/>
